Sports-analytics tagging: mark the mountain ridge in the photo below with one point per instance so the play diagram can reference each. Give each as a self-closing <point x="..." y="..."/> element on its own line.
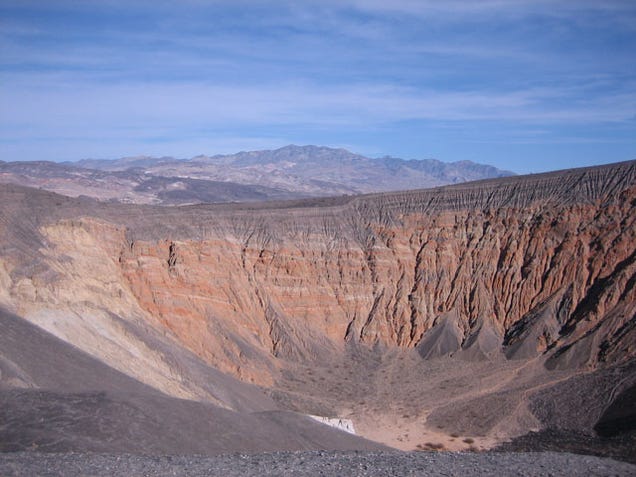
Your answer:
<point x="285" y="173"/>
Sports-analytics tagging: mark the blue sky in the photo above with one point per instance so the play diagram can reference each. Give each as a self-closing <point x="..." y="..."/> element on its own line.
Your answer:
<point x="523" y="85"/>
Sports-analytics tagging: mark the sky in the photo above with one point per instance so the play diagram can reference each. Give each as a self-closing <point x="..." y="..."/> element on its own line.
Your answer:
<point x="526" y="86"/>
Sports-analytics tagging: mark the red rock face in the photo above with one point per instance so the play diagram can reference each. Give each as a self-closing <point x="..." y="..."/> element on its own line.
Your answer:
<point x="495" y="273"/>
<point x="544" y="264"/>
<point x="199" y="291"/>
<point x="529" y="265"/>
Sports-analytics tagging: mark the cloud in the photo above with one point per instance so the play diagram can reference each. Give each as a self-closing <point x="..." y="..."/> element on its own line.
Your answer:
<point x="77" y="109"/>
<point x="490" y="7"/>
<point x="162" y="74"/>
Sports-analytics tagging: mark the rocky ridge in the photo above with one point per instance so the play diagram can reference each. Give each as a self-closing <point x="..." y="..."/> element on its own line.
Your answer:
<point x="527" y="261"/>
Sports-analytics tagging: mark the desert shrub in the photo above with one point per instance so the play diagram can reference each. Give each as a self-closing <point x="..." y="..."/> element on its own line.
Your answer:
<point x="436" y="446"/>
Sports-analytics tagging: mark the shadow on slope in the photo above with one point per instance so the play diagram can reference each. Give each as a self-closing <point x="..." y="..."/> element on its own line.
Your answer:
<point x="56" y="398"/>
<point x="589" y="413"/>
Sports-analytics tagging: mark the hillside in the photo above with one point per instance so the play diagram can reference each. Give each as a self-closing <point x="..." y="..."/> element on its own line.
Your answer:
<point x="56" y="398"/>
<point x="463" y="315"/>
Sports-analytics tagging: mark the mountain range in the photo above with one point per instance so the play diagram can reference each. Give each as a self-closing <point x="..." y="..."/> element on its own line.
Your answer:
<point x="287" y="173"/>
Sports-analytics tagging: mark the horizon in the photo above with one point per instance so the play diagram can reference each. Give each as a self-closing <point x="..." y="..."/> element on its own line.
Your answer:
<point x="524" y="86"/>
<point x="175" y="158"/>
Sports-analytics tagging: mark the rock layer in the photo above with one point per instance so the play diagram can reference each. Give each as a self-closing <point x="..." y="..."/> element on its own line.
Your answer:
<point x="542" y="264"/>
<point x="547" y="263"/>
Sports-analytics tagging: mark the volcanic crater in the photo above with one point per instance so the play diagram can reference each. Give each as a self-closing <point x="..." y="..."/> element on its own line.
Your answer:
<point x="463" y="318"/>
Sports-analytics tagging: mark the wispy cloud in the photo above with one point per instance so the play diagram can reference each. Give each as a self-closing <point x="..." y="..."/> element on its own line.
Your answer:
<point x="156" y="74"/>
<point x="200" y="105"/>
<point x="493" y="7"/>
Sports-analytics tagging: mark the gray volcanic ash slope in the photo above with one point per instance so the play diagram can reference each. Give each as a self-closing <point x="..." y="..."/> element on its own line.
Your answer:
<point x="56" y="398"/>
<point x="457" y="317"/>
<point x="286" y="173"/>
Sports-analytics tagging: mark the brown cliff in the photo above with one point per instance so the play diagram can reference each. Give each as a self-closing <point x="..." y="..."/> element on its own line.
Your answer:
<point x="547" y="262"/>
<point x="540" y="265"/>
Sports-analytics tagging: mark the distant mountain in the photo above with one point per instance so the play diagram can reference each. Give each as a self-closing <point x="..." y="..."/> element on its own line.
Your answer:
<point x="119" y="164"/>
<point x="285" y="173"/>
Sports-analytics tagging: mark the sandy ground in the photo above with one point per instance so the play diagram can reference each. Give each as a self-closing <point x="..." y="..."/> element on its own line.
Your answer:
<point x="409" y="434"/>
<point x="408" y="403"/>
